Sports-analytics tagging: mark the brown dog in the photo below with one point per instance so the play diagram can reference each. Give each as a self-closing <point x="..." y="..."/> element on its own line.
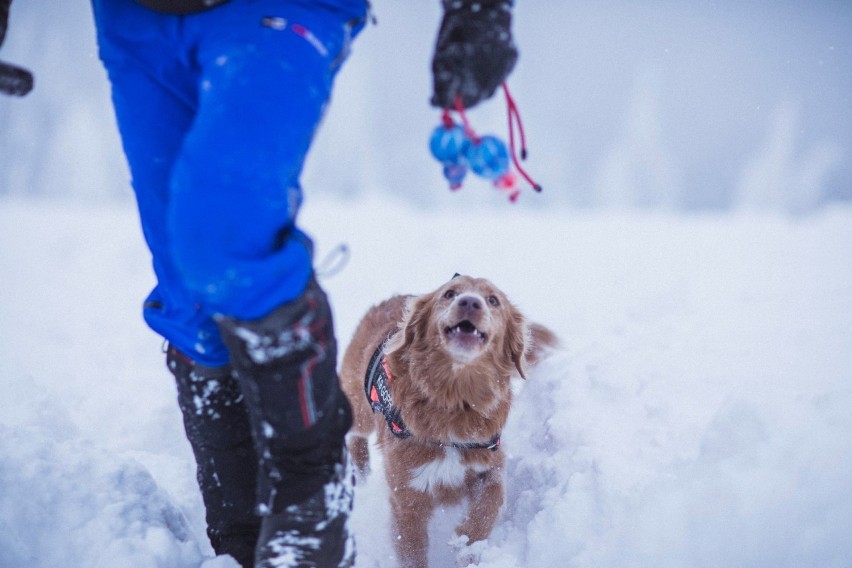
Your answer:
<point x="437" y="371"/>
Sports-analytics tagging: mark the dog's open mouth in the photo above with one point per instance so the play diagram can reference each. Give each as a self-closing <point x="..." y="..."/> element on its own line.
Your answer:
<point x="465" y="333"/>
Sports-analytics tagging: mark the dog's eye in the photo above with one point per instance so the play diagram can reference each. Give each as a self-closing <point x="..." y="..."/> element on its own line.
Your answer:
<point x="450" y="294"/>
<point x="493" y="301"/>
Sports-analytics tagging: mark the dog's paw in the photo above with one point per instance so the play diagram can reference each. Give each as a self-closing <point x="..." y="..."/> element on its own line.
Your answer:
<point x="467" y="553"/>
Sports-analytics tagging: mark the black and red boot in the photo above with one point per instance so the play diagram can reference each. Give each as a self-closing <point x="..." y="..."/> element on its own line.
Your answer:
<point x="217" y="426"/>
<point x="286" y="366"/>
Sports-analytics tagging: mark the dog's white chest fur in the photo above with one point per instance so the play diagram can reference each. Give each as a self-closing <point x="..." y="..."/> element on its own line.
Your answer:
<point x="445" y="472"/>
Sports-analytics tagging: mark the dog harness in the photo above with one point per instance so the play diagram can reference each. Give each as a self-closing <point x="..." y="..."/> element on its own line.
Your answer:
<point x="377" y="383"/>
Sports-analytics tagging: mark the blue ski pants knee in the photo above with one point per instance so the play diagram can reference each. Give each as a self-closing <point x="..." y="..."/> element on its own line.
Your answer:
<point x="217" y="111"/>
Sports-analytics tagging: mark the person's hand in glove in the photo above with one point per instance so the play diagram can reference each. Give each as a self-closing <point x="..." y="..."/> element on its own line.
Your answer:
<point x="13" y="80"/>
<point x="474" y="52"/>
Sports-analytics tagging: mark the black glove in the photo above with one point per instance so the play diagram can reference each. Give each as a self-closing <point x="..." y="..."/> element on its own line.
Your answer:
<point x="474" y="52"/>
<point x="13" y="80"/>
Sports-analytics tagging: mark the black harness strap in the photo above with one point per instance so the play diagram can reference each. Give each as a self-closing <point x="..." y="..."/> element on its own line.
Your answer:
<point x="377" y="388"/>
<point x="493" y="444"/>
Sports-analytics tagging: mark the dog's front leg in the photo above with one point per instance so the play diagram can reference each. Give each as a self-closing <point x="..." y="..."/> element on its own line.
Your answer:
<point x="359" y="450"/>
<point x="485" y="495"/>
<point x="411" y="512"/>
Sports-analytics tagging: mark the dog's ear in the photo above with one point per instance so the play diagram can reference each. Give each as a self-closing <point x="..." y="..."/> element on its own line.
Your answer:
<point x="541" y="339"/>
<point x="414" y="324"/>
<point x="517" y="340"/>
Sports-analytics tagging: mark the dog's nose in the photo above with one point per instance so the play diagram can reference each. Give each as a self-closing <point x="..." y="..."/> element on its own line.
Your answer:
<point x="469" y="303"/>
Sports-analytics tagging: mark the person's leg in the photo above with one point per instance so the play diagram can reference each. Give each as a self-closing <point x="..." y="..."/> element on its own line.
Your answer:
<point x="266" y="73"/>
<point x="155" y="101"/>
<point x="229" y="231"/>
<point x="155" y="97"/>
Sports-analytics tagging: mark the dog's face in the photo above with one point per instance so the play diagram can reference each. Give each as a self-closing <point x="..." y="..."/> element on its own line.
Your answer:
<point x="469" y="314"/>
<point x="468" y="319"/>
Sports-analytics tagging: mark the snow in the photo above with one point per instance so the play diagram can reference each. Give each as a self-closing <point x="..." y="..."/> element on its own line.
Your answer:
<point x="692" y="249"/>
<point x="698" y="412"/>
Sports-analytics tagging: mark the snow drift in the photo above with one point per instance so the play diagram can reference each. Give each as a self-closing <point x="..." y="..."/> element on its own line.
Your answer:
<point x="697" y="414"/>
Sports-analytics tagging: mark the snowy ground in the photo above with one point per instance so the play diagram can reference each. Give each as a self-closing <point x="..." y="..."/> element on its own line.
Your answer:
<point x="699" y="413"/>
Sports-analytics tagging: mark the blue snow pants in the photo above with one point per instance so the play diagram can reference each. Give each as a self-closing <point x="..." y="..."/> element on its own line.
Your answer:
<point x="217" y="111"/>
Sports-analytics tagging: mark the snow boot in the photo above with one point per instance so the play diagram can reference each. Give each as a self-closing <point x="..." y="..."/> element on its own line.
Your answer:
<point x="286" y="366"/>
<point x="314" y="532"/>
<point x="217" y="426"/>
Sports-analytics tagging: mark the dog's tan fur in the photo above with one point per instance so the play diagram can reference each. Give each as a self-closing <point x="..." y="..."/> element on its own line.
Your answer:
<point x="449" y="388"/>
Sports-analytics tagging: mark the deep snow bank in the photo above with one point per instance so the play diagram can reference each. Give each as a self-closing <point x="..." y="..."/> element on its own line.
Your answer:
<point x="698" y="413"/>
